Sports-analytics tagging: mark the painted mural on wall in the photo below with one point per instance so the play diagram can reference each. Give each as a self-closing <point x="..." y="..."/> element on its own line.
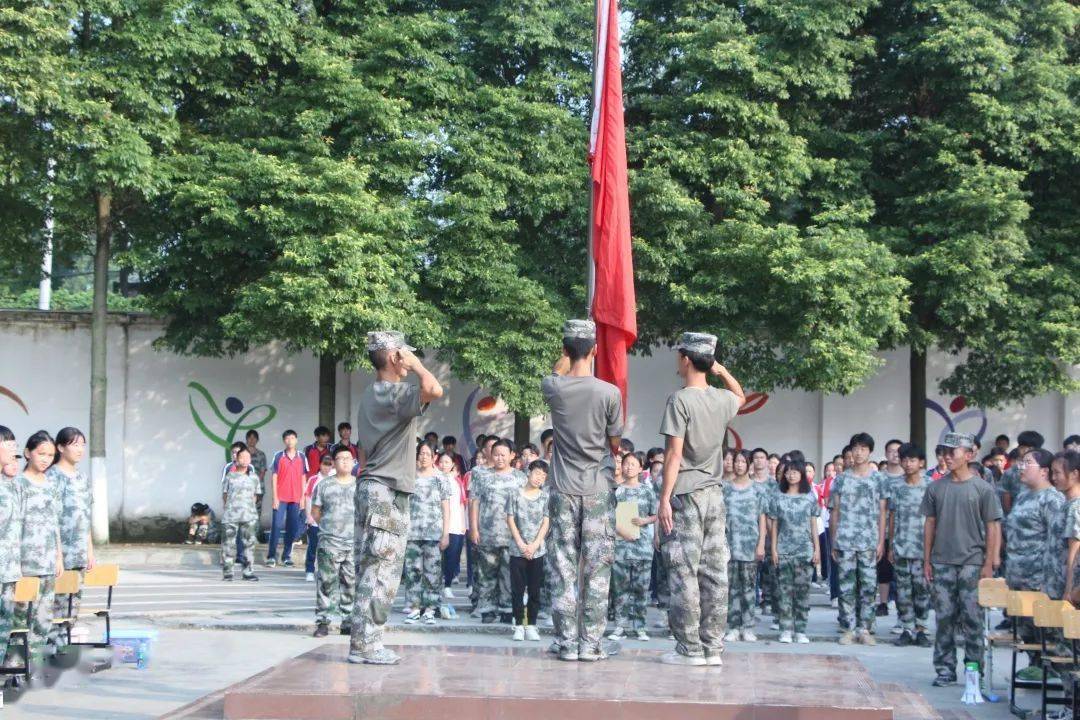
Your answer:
<point x="959" y="418"/>
<point x="754" y="402"/>
<point x="235" y="427"/>
<point x="481" y="414"/>
<point x="13" y="397"/>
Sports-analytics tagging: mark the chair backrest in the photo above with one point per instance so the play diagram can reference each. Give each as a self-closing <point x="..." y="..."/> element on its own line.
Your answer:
<point x="26" y="589"/>
<point x="1022" y="602"/>
<point x="1050" y="613"/>
<point x="993" y="593"/>
<point x="1071" y="624"/>
<point x="68" y="583"/>
<point x="102" y="576"/>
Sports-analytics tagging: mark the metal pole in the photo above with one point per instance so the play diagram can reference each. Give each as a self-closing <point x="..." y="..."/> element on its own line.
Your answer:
<point x="45" y="285"/>
<point x="590" y="277"/>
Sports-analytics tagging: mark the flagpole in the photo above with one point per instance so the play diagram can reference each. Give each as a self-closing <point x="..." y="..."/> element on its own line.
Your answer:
<point x="590" y="273"/>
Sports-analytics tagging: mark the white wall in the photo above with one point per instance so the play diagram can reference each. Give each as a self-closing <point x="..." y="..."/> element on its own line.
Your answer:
<point x="159" y="461"/>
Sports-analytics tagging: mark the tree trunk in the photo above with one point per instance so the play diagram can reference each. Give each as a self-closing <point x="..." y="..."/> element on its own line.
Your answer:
<point x="327" y="391"/>
<point x="918" y="398"/>
<point x="522" y="431"/>
<point x="98" y="358"/>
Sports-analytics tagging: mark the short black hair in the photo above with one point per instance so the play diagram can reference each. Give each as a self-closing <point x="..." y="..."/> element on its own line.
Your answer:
<point x="1041" y="456"/>
<point x="529" y="446"/>
<point x="577" y="348"/>
<point x="1072" y="440"/>
<point x="640" y="457"/>
<point x="804" y="483"/>
<point x="252" y="433"/>
<point x="1030" y="438"/>
<point x="653" y="452"/>
<point x="538" y="465"/>
<point x="503" y="442"/>
<point x="1069" y="459"/>
<point x="845" y="451"/>
<point x="796" y="456"/>
<point x="449" y="440"/>
<point x="544" y="436"/>
<point x="322" y="430"/>
<point x="773" y="455"/>
<point x="6" y="435"/>
<point x="911" y="450"/>
<point x="379" y="358"/>
<point x="1003" y="436"/>
<point x="995" y="451"/>
<point x="627" y="446"/>
<point x="429" y="433"/>
<point x="894" y="441"/>
<point x="343" y="426"/>
<point x="490" y="439"/>
<point x="480" y="439"/>
<point x="941" y="450"/>
<point x="864" y="439"/>
<point x="340" y="449"/>
<point x="287" y="433"/>
<point x="242" y="449"/>
<point x="238" y="446"/>
<point x="702" y="362"/>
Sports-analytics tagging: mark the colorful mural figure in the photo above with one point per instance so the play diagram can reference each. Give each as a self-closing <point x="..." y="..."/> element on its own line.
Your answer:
<point x="234" y="428"/>
<point x="480" y="416"/>
<point x="754" y="402"/>
<point x="11" y="395"/>
<point x="959" y="418"/>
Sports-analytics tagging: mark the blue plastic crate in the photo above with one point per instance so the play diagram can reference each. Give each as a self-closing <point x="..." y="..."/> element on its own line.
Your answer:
<point x="133" y="646"/>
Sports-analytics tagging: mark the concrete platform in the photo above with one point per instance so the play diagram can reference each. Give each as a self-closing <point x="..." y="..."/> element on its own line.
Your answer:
<point x="521" y="683"/>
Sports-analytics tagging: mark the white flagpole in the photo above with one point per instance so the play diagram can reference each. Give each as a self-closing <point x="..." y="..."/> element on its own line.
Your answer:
<point x="600" y="14"/>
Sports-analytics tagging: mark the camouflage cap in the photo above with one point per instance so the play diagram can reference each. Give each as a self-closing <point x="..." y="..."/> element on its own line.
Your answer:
<point x="387" y="340"/>
<point x="696" y="342"/>
<point x="955" y="440"/>
<point x="583" y="329"/>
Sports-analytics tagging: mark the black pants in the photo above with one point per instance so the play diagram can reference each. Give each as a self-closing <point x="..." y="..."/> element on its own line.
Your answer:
<point x="526" y="575"/>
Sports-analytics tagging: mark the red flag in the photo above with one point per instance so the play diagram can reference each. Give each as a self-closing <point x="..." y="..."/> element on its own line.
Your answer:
<point x="613" y="304"/>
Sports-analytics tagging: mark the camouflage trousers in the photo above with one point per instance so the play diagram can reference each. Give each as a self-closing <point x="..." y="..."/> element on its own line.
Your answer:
<point x="697" y="556"/>
<point x="246" y="531"/>
<point x="39" y="625"/>
<point x="382" y="527"/>
<point x="582" y="545"/>
<point x="793" y="593"/>
<point x="494" y="579"/>
<point x="335" y="584"/>
<point x="742" y="593"/>
<point x="7" y="616"/>
<point x="956" y="608"/>
<point x="423" y="574"/>
<point x="858" y="589"/>
<point x="630" y="583"/>
<point x="912" y="594"/>
<point x="58" y="635"/>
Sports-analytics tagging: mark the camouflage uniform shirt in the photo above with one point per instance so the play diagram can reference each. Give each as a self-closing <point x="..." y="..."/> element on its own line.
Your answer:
<point x="337" y="503"/>
<point x="905" y="504"/>
<point x="744" y="507"/>
<point x="647" y="502"/>
<point x="12" y="508"/>
<point x="493" y="492"/>
<point x="858" y="499"/>
<point x="41" y="525"/>
<point x="1035" y="525"/>
<point x="1070" y="531"/>
<point x="76" y="502"/>
<point x="792" y="514"/>
<point x="425" y="506"/>
<point x="528" y="515"/>
<point x="240" y="491"/>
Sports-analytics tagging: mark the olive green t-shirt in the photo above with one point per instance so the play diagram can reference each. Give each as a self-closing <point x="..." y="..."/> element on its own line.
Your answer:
<point x="700" y="417"/>
<point x="963" y="510"/>
<point x="386" y="426"/>
<point x="585" y="412"/>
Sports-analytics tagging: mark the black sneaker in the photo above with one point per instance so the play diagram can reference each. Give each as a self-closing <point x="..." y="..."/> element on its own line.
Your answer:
<point x="227" y="576"/>
<point x="904" y="640"/>
<point x="944" y="681"/>
<point x="322" y="630"/>
<point x="506" y="618"/>
<point x="1005" y="624"/>
<point x="346" y="630"/>
<point x="288" y="563"/>
<point x="922" y="640"/>
<point x="488" y="618"/>
<point x="250" y="577"/>
<point x="882" y="610"/>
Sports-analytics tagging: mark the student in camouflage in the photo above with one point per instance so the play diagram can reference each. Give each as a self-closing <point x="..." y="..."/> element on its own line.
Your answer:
<point x="633" y="556"/>
<point x="1010" y="485"/>
<point x="487" y="523"/>
<point x="857" y="523"/>
<point x="429" y="512"/>
<point x="258" y="466"/>
<point x="1065" y="473"/>
<point x="906" y="547"/>
<point x="795" y="549"/>
<point x="960" y="546"/>
<point x="765" y="482"/>
<point x="12" y="509"/>
<point x="528" y="522"/>
<point x="691" y="509"/>
<point x="333" y="508"/>
<point x="586" y="417"/>
<point x="76" y="502"/>
<point x="746" y="505"/>
<point x="239" y="517"/>
<point x="41" y="552"/>
<point x="386" y="428"/>
<point x="1035" y="527"/>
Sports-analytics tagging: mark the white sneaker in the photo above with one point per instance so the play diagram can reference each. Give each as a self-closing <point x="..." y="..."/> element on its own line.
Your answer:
<point x="309" y="577"/>
<point x="897" y="629"/>
<point x="519" y="633"/>
<point x="642" y="635"/>
<point x="748" y="635"/>
<point x="617" y="634"/>
<point x="674" y="658"/>
<point x="531" y="633"/>
<point x="774" y="626"/>
<point x="835" y="603"/>
<point x="428" y="618"/>
<point x="785" y="637"/>
<point x="731" y="635"/>
<point x="413" y="617"/>
<point x="448" y="593"/>
<point x="801" y="638"/>
<point x="714" y="659"/>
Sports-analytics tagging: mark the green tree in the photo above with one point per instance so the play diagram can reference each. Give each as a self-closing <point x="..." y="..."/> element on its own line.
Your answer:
<point x="750" y="219"/>
<point x="969" y="112"/>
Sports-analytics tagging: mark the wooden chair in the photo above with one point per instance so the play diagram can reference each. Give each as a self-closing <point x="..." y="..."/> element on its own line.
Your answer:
<point x="993" y="595"/>
<point x="1050" y="616"/>
<point x="106" y="576"/>
<point x="1021" y="604"/>
<point x="67" y="584"/>
<point x="26" y="591"/>
<point x="1071" y="631"/>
